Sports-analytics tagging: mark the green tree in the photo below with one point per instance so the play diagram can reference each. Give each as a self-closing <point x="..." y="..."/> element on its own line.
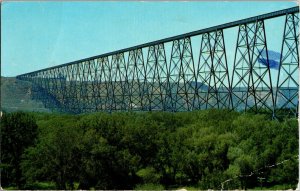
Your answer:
<point x="121" y="150"/>
<point x="109" y="160"/>
<point x="55" y="157"/>
<point x="18" y="132"/>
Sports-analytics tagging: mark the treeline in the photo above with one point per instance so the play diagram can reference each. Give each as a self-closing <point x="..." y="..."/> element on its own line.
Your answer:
<point x="200" y="149"/>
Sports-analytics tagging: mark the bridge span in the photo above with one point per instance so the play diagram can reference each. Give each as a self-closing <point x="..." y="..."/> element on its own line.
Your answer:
<point x="184" y="73"/>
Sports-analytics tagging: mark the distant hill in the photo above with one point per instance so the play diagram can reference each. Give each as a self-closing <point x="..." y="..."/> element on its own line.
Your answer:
<point x="16" y="95"/>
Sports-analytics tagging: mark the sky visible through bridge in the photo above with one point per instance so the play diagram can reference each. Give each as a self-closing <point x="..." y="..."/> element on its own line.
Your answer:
<point x="38" y="35"/>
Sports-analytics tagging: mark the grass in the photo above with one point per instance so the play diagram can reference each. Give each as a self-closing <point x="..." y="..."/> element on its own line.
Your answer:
<point x="277" y="187"/>
<point x="10" y="188"/>
<point x="149" y="187"/>
<point x="40" y="186"/>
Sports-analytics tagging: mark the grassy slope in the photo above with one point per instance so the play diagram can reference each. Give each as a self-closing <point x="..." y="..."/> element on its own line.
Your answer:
<point x="16" y="95"/>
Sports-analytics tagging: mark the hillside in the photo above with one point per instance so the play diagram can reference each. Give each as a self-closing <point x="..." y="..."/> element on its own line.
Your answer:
<point x="16" y="95"/>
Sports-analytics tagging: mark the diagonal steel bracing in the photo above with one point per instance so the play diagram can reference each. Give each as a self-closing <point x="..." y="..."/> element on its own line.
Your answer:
<point x="177" y="74"/>
<point x="288" y="75"/>
<point x="251" y="81"/>
<point x="214" y="91"/>
<point x="181" y="76"/>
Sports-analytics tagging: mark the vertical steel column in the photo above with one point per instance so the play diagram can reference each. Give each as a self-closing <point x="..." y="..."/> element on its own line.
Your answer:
<point x="106" y="75"/>
<point x="157" y="72"/>
<point x="136" y="91"/>
<point x="241" y="70"/>
<point x="69" y="89"/>
<point x="203" y="73"/>
<point x="62" y="88"/>
<point x="149" y="71"/>
<point x="54" y="103"/>
<point x="43" y="87"/>
<point x="288" y="76"/>
<point x="96" y="71"/>
<point x="73" y="90"/>
<point x="248" y="72"/>
<point x="131" y="76"/>
<point x="181" y="76"/>
<point x="113" y="85"/>
<point x="78" y="87"/>
<point x="35" y="87"/>
<point x="161" y="71"/>
<point x="118" y="72"/>
<point x="141" y="76"/>
<point x="86" y="77"/>
<point x="91" y="105"/>
<point x="83" y="87"/>
<point x="219" y="90"/>
<point x="174" y="100"/>
<point x="212" y="94"/>
<point x="213" y="85"/>
<point x="261" y="75"/>
<point x="123" y="66"/>
<point x="100" y="91"/>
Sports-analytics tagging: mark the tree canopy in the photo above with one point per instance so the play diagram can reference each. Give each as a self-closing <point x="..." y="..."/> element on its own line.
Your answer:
<point x="207" y="149"/>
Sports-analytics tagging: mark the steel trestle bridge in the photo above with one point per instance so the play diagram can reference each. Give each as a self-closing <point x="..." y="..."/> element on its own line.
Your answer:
<point x="174" y="74"/>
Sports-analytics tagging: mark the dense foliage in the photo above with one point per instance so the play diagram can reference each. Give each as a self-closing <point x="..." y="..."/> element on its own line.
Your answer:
<point x="158" y="150"/>
<point x="18" y="132"/>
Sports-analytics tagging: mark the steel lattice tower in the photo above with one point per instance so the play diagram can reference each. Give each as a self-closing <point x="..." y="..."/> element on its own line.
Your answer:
<point x="177" y="74"/>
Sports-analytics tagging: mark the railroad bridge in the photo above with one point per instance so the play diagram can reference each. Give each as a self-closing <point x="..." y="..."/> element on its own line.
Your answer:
<point x="184" y="73"/>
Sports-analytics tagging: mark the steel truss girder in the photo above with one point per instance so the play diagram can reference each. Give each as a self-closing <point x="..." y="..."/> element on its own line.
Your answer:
<point x="165" y="76"/>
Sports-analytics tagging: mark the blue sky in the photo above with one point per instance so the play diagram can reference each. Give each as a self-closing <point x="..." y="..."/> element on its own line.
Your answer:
<point x="37" y="35"/>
